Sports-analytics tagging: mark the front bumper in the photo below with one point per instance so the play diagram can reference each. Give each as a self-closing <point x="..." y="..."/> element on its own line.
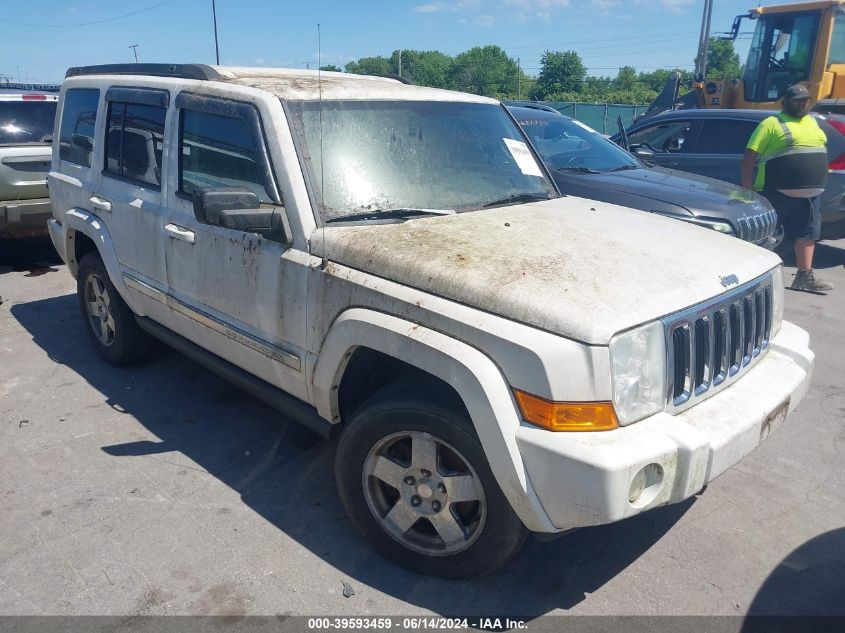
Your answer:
<point x="586" y="479"/>
<point x="24" y="218"/>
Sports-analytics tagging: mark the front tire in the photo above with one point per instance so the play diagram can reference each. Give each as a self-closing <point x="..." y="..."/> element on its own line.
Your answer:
<point x="413" y="477"/>
<point x="109" y="321"/>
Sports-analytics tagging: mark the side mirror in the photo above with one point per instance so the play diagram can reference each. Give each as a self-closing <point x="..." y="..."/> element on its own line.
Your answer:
<point x="642" y="153"/>
<point x="238" y="208"/>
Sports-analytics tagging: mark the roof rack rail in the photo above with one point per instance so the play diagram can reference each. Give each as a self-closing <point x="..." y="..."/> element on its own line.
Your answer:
<point x="25" y="86"/>
<point x="182" y="71"/>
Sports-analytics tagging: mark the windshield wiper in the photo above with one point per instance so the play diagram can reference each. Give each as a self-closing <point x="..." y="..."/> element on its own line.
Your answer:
<point x="517" y="199"/>
<point x="382" y="214"/>
<point x="580" y="170"/>
<point x="625" y="167"/>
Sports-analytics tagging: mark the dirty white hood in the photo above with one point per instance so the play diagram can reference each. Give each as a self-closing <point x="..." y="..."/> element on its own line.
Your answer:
<point x="575" y="267"/>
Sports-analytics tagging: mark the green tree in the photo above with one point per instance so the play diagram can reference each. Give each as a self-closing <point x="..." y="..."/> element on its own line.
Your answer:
<point x="424" y="68"/>
<point x="626" y="79"/>
<point x="484" y="70"/>
<point x="722" y="60"/>
<point x="560" y="72"/>
<point x="371" y="66"/>
<point x="332" y="68"/>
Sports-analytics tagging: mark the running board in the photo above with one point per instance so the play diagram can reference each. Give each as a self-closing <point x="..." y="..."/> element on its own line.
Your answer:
<point x="292" y="407"/>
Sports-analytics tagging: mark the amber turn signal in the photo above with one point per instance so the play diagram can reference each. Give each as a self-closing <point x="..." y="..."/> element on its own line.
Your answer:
<point x="566" y="416"/>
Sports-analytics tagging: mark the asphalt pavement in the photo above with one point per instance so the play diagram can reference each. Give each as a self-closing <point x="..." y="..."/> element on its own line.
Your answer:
<point x="162" y="489"/>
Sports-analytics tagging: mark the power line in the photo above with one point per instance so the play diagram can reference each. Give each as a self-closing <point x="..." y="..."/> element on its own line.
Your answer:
<point x="662" y="36"/>
<point x="63" y="26"/>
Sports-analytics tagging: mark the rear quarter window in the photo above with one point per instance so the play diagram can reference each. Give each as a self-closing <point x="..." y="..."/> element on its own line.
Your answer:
<point x="76" y="135"/>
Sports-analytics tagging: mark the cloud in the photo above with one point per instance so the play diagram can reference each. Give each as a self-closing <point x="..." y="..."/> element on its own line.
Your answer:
<point x="528" y="5"/>
<point x="497" y="11"/>
<point x="673" y="6"/>
<point x="604" y="6"/>
<point x="443" y="6"/>
<point x="259" y="61"/>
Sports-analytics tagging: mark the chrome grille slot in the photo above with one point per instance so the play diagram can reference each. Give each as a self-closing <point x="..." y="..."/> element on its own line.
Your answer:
<point x="736" y="338"/>
<point x="702" y="360"/>
<point x="748" y="329"/>
<point x="711" y="345"/>
<point x="759" y="320"/>
<point x="721" y="343"/>
<point x="767" y="311"/>
<point x="681" y="352"/>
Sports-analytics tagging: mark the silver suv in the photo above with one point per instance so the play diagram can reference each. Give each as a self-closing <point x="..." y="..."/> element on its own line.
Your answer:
<point x="26" y="136"/>
<point x="391" y="266"/>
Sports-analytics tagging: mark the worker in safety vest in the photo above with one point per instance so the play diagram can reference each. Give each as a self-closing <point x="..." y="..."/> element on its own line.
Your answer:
<point x="792" y="174"/>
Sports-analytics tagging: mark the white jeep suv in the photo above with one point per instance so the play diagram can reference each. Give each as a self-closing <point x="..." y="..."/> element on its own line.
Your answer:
<point x="390" y="265"/>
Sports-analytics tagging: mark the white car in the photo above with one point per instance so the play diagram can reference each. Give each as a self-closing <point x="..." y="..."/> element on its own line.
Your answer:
<point x="391" y="265"/>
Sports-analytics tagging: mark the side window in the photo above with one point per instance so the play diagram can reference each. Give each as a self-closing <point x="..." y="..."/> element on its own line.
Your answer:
<point x="76" y="135"/>
<point x="724" y="137"/>
<point x="134" y="141"/>
<point x="664" y="137"/>
<point x="219" y="151"/>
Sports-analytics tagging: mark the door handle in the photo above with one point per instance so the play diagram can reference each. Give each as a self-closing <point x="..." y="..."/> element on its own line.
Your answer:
<point x="180" y="233"/>
<point x="100" y="203"/>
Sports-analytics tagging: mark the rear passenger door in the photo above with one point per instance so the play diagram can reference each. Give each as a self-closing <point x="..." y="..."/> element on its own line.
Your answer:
<point x="129" y="195"/>
<point x="719" y="149"/>
<point x="232" y="292"/>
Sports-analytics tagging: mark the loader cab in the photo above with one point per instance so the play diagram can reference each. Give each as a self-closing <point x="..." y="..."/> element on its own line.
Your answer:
<point x="782" y="53"/>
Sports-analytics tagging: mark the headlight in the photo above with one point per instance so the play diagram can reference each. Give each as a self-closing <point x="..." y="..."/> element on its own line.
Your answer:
<point x="777" y="298"/>
<point x="716" y="225"/>
<point x="638" y="372"/>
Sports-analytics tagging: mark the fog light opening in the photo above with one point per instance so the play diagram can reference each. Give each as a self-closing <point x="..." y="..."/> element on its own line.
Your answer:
<point x="645" y="485"/>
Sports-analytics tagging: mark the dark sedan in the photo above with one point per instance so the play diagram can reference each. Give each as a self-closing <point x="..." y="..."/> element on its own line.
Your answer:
<point x="586" y="164"/>
<point x="712" y="142"/>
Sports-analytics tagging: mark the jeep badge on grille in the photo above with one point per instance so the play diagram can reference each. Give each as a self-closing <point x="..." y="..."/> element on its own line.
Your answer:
<point x="728" y="280"/>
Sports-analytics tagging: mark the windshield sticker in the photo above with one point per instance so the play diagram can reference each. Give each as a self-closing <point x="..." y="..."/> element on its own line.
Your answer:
<point x="524" y="160"/>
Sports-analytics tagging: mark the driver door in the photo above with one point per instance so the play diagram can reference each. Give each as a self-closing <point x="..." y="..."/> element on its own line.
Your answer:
<point x="232" y="292"/>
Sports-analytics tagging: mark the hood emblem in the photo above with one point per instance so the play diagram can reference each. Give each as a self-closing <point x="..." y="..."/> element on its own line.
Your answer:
<point x="728" y="280"/>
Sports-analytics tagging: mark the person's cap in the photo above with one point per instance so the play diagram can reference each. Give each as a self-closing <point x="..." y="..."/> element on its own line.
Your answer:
<point x="796" y="92"/>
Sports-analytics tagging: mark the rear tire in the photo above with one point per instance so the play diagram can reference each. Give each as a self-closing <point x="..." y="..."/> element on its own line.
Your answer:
<point x="414" y="480"/>
<point x="109" y="321"/>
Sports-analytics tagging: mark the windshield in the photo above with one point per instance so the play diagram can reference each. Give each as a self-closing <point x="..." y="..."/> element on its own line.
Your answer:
<point x="780" y="55"/>
<point x="569" y="145"/>
<point x="26" y="122"/>
<point x="378" y="156"/>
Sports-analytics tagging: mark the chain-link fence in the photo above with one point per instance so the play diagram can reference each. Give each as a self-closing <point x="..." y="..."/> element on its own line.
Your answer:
<point x="599" y="116"/>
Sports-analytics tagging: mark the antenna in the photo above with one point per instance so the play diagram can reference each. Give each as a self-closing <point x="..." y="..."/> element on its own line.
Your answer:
<point x="320" y="95"/>
<point x="322" y="168"/>
<point x="216" y="47"/>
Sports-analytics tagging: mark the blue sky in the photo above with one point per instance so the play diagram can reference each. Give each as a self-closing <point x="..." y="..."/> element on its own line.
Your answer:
<point x="42" y="38"/>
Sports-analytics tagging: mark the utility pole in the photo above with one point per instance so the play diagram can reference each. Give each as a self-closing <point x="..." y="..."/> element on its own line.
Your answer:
<point x="518" y="87"/>
<point x="307" y="65"/>
<point x="400" y="62"/>
<point x="703" y="41"/>
<point x="216" y="47"/>
<point x="134" y="48"/>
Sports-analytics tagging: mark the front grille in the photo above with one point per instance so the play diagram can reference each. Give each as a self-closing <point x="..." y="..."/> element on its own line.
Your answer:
<point x="757" y="228"/>
<point x="711" y="345"/>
